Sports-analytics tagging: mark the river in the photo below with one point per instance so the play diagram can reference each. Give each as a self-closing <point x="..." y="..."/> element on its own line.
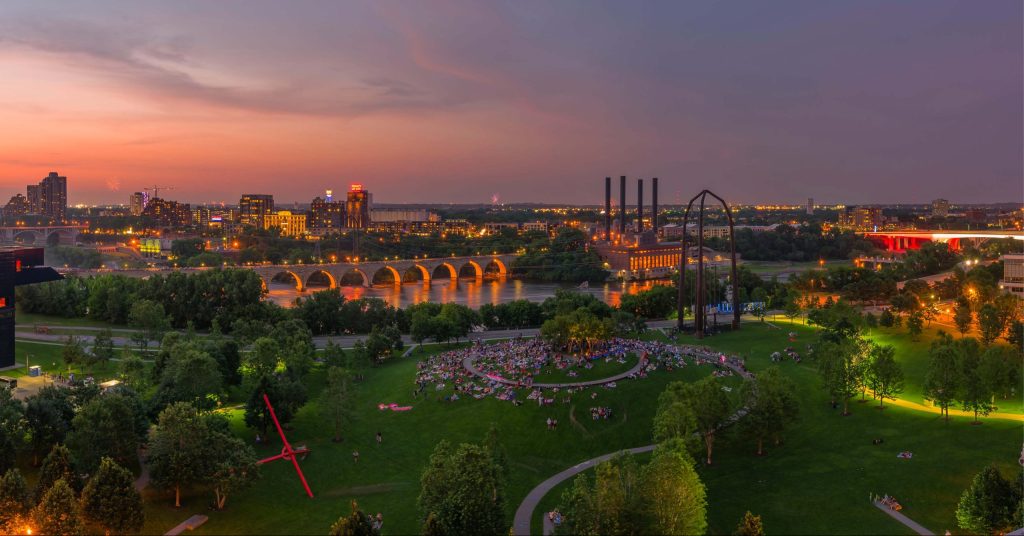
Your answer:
<point x="472" y="293"/>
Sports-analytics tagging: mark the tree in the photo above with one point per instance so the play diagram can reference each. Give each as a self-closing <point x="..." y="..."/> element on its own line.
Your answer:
<point x="108" y="425"/>
<point x="189" y="375"/>
<point x="887" y="374"/>
<point x="48" y="417"/>
<point x="12" y="428"/>
<point x="886" y="318"/>
<point x="102" y="347"/>
<point x="149" y="316"/>
<point x="674" y="417"/>
<point x="15" y="499"/>
<point x="56" y="467"/>
<point x="357" y="523"/>
<point x="942" y="381"/>
<point x="73" y="353"/>
<point x="711" y="409"/>
<point x="232" y="464"/>
<point x="962" y="317"/>
<point x="1015" y="335"/>
<point x="177" y="449"/>
<point x="58" y="512"/>
<point x="111" y="501"/>
<point x="133" y="370"/>
<point x="840" y="368"/>
<point x="974" y="393"/>
<point x="750" y="525"/>
<point x="988" y="505"/>
<point x="286" y="394"/>
<point x="771" y="404"/>
<point x="915" y="325"/>
<point x="464" y="490"/>
<point x="264" y="358"/>
<point x="672" y="493"/>
<point x="1000" y="370"/>
<point x="990" y="323"/>
<point x="336" y="400"/>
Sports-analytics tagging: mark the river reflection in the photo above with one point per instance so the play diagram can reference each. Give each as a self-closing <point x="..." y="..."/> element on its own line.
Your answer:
<point x="469" y="292"/>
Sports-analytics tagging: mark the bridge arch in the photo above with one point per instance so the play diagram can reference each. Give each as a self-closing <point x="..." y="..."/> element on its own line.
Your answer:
<point x="28" y="236"/>
<point x="500" y="267"/>
<point x="423" y="272"/>
<point x="299" y="286"/>
<point x="478" y="271"/>
<point x="331" y="281"/>
<point x="396" y="277"/>
<point x="453" y="274"/>
<point x="349" y="273"/>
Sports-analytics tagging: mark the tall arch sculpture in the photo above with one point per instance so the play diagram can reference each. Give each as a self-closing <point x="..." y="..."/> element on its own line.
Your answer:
<point x="699" y="313"/>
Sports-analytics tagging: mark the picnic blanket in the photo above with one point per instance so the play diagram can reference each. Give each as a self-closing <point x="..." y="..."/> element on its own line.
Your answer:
<point x="393" y="407"/>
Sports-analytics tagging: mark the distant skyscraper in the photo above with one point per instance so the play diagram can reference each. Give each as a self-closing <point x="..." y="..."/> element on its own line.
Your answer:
<point x="330" y="196"/>
<point x="137" y="203"/>
<point x="34" y="204"/>
<point x="49" y="197"/>
<point x="168" y="213"/>
<point x="810" y="206"/>
<point x="940" y="208"/>
<point x="357" y="207"/>
<point x="253" y="207"/>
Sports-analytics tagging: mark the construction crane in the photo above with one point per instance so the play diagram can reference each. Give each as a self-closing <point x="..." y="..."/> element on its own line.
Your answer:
<point x="156" y="189"/>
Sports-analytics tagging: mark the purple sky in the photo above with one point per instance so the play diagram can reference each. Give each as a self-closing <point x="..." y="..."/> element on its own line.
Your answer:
<point x="440" y="101"/>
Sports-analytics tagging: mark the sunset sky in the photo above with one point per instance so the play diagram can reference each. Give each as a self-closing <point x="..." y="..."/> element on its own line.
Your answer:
<point x="438" y="101"/>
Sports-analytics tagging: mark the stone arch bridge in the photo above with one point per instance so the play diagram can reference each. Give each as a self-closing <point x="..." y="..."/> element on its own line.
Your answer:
<point x="425" y="270"/>
<point x="43" y="235"/>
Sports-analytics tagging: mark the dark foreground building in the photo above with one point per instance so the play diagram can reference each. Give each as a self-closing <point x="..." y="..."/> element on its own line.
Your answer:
<point x="18" y="266"/>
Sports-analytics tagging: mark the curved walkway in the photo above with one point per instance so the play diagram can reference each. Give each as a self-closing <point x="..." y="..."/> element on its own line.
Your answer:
<point x="468" y="364"/>
<point x="521" y="522"/>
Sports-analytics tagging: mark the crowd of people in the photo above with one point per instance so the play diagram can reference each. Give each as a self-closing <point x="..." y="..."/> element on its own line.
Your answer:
<point x="504" y="369"/>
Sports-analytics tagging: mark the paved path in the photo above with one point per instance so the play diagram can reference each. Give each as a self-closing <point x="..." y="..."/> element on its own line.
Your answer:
<point x="468" y="364"/>
<point x="913" y="525"/>
<point x="521" y="522"/>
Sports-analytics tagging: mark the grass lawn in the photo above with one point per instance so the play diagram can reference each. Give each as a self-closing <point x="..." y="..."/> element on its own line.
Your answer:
<point x="913" y="357"/>
<point x="817" y="482"/>
<point x="48" y="356"/>
<point x="601" y="369"/>
<point x="27" y="319"/>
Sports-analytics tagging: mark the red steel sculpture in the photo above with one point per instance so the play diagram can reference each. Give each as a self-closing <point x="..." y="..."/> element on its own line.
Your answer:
<point x="287" y="452"/>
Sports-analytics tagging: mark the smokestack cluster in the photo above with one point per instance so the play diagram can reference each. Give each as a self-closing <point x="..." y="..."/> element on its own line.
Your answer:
<point x="607" y="208"/>
<point x="639" y="205"/>
<point x="622" y="205"/>
<point x="654" y="205"/>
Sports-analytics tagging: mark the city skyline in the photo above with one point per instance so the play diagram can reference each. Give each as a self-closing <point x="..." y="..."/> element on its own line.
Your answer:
<point x="845" y="103"/>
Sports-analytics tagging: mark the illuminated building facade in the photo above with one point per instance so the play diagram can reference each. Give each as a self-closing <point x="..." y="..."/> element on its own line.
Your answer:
<point x="1013" y="274"/>
<point x="15" y="208"/>
<point x="291" y="224"/>
<point x="326" y="214"/>
<point x="940" y="208"/>
<point x="358" y="204"/>
<point x="861" y="218"/>
<point x="137" y="203"/>
<point x="253" y="207"/>
<point x="168" y="213"/>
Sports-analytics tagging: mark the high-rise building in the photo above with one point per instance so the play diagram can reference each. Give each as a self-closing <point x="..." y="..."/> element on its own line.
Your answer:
<point x="33" y="198"/>
<point x="18" y="206"/>
<point x="861" y="218"/>
<point x="940" y="208"/>
<point x="357" y="207"/>
<point x="53" y="197"/>
<point x="201" y="216"/>
<point x="290" y="223"/>
<point x="168" y="213"/>
<point x="137" y="203"/>
<point x="253" y="207"/>
<point x="326" y="214"/>
<point x="810" y="206"/>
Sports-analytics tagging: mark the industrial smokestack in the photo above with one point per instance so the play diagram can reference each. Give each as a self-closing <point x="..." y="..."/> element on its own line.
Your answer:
<point x="622" y="205"/>
<point x="654" y="205"/>
<point x="607" y="208"/>
<point x="639" y="205"/>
